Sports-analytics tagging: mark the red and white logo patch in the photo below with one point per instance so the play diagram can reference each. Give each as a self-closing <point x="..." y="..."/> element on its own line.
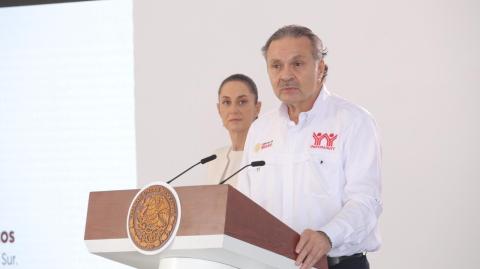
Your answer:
<point x="261" y="146"/>
<point x="319" y="138"/>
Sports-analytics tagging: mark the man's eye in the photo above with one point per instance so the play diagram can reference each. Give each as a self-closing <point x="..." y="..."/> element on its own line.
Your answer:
<point x="275" y="66"/>
<point x="297" y="64"/>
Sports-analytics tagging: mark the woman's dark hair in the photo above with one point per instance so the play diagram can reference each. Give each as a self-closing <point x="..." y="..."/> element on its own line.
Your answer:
<point x="242" y="78"/>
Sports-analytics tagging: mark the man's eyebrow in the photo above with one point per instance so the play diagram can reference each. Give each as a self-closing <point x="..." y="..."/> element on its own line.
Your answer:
<point x="298" y="57"/>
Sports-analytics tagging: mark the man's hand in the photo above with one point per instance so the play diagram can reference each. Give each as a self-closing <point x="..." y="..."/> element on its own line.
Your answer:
<point x="311" y="247"/>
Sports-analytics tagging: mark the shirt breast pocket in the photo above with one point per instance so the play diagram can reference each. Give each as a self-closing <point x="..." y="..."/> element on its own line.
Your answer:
<point x="265" y="181"/>
<point x="324" y="177"/>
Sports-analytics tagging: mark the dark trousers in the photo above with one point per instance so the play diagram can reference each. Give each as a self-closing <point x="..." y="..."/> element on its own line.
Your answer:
<point x="353" y="263"/>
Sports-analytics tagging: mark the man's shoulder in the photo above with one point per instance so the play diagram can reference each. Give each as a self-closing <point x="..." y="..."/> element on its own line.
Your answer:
<point x="342" y="107"/>
<point x="266" y="119"/>
<point x="266" y="125"/>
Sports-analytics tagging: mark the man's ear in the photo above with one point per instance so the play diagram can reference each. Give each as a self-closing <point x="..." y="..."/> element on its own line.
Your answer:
<point x="321" y="68"/>
<point x="322" y="71"/>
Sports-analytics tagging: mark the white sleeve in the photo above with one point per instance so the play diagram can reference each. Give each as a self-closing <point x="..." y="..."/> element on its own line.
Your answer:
<point x="361" y="195"/>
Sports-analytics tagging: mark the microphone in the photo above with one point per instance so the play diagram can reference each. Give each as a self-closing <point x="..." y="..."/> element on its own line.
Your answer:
<point x="252" y="164"/>
<point x="202" y="161"/>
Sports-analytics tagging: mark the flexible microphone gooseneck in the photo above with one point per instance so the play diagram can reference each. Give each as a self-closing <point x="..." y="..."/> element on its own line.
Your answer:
<point x="252" y="164"/>
<point x="202" y="161"/>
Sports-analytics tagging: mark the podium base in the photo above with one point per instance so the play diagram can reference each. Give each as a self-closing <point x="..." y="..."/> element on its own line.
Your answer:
<point x="190" y="263"/>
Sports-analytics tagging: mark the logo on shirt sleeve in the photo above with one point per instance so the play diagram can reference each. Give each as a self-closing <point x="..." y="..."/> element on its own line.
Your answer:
<point x="324" y="140"/>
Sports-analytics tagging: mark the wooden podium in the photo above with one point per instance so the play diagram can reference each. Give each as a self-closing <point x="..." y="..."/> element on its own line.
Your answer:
<point x="219" y="228"/>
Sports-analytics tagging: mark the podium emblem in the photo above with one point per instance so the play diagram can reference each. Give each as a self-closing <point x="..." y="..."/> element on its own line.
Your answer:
<point x="153" y="218"/>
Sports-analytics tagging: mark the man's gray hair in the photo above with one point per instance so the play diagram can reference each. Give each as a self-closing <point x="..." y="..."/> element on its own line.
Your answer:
<point x="297" y="31"/>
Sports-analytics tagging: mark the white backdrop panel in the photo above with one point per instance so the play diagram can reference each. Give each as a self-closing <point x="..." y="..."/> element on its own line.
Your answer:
<point x="413" y="64"/>
<point x="66" y="126"/>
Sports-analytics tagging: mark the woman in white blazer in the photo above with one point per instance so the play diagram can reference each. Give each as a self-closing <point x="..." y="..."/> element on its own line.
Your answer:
<point x="238" y="107"/>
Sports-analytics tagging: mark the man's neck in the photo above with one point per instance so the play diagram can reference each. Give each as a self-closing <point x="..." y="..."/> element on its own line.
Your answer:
<point x="294" y="110"/>
<point x="294" y="113"/>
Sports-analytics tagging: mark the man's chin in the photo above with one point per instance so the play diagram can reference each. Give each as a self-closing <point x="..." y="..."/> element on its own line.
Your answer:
<point x="288" y="98"/>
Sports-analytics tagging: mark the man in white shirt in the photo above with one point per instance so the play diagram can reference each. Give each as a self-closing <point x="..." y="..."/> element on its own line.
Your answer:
<point x="322" y="172"/>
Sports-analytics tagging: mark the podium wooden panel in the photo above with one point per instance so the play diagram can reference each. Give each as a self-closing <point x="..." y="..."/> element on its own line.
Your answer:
<point x="218" y="224"/>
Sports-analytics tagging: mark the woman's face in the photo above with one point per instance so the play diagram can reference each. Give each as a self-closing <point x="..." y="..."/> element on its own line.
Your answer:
<point x="237" y="106"/>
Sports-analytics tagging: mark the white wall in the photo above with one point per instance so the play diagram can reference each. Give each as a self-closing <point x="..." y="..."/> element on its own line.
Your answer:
<point x="413" y="64"/>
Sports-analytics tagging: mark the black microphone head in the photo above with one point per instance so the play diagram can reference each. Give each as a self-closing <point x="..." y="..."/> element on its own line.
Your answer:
<point x="257" y="163"/>
<point x="207" y="159"/>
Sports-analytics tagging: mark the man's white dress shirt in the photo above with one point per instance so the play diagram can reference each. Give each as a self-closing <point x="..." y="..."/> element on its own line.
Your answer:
<point x="322" y="173"/>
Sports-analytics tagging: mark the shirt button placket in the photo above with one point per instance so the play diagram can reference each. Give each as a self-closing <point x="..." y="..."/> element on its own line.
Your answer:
<point x="288" y="187"/>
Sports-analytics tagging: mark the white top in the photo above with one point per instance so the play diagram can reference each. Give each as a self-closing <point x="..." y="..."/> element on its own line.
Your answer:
<point x="226" y="163"/>
<point x="322" y="173"/>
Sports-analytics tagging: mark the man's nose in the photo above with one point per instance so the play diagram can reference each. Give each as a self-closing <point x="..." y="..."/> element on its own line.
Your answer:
<point x="286" y="73"/>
